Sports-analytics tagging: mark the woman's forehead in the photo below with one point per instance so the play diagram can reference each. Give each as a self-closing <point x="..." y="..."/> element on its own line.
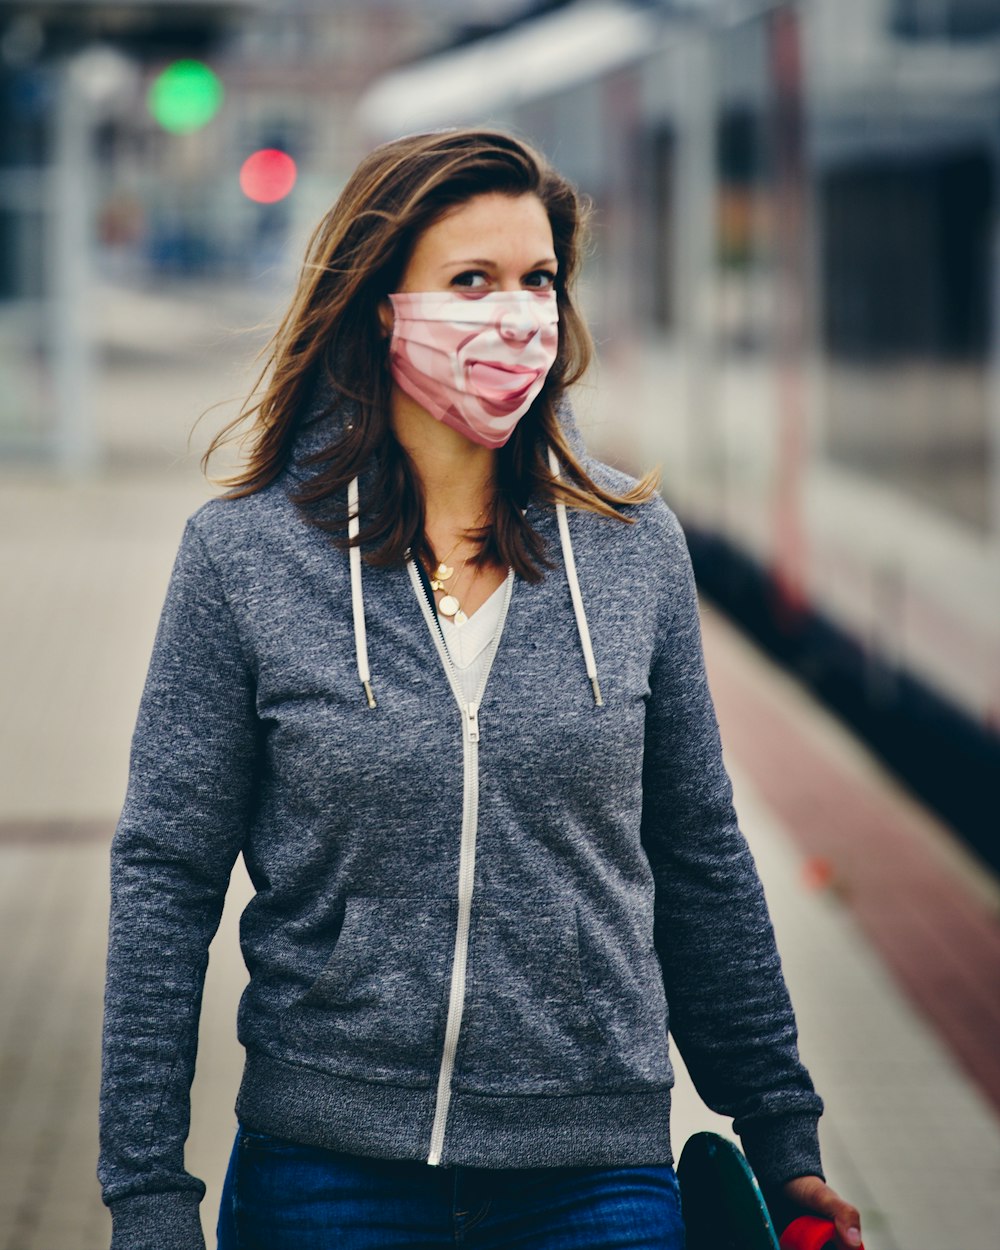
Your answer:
<point x="489" y="227"/>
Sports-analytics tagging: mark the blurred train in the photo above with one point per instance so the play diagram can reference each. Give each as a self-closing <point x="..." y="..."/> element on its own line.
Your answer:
<point x="796" y="294"/>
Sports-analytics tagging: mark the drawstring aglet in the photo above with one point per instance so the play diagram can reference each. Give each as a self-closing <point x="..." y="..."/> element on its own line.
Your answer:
<point x="368" y="694"/>
<point x="597" y="692"/>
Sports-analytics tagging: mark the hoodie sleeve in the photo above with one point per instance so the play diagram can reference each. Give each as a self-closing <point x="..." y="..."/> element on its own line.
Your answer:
<point x="189" y="796"/>
<point x="730" y="1013"/>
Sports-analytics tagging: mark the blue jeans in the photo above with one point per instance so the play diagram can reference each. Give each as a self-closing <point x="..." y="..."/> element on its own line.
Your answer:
<point x="281" y="1196"/>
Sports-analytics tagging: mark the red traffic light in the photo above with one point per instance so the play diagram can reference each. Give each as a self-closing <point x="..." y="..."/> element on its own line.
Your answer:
<point x="268" y="175"/>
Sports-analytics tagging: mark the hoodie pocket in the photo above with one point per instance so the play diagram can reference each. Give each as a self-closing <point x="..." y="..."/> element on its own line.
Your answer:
<point x="377" y="1009"/>
<point x="527" y="1026"/>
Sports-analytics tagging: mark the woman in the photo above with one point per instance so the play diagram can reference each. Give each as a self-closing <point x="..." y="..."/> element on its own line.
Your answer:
<point x="484" y="868"/>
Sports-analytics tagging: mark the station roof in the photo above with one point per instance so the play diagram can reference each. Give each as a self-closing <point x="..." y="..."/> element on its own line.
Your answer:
<point x="477" y="80"/>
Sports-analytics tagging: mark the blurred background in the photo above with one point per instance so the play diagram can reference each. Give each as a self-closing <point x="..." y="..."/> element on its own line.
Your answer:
<point x="794" y="285"/>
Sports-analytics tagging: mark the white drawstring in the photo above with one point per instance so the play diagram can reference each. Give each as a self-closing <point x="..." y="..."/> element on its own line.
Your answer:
<point x="357" y="599"/>
<point x="574" y="588"/>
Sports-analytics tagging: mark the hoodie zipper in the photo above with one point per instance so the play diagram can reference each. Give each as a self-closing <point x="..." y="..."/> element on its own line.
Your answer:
<point x="467" y="853"/>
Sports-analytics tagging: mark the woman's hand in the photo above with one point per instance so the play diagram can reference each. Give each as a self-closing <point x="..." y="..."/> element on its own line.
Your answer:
<point x="815" y="1197"/>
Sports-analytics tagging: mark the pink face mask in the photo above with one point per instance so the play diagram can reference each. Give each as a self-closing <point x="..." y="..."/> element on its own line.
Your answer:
<point x="474" y="362"/>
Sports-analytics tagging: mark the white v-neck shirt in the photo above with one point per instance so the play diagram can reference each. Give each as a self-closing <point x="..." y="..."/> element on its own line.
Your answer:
<point x="468" y="644"/>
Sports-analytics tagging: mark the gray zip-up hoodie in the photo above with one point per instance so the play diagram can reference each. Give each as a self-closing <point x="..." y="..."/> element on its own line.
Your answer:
<point x="471" y="920"/>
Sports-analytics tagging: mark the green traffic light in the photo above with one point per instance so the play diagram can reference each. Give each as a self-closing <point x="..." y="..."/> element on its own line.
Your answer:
<point x="185" y="96"/>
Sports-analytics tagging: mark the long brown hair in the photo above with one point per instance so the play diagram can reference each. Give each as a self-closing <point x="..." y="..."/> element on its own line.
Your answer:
<point x="330" y="342"/>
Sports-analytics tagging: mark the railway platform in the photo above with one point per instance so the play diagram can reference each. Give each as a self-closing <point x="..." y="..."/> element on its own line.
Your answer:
<point x="889" y="933"/>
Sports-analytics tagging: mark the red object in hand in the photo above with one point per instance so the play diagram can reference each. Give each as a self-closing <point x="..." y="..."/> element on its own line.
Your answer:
<point x="809" y="1232"/>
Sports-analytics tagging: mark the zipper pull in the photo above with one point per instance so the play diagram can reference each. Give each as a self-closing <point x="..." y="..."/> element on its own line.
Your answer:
<point x="472" y="712"/>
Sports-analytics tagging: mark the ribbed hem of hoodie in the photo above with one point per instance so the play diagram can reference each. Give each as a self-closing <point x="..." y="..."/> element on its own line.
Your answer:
<point x="156" y="1221"/>
<point x="779" y="1148"/>
<point x="503" y="1131"/>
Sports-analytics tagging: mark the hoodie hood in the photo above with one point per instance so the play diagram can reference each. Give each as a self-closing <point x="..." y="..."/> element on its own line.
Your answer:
<point x="322" y="417"/>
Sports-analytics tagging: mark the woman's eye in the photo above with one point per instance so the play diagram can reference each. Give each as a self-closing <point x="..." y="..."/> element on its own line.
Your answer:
<point x="471" y="279"/>
<point x="541" y="280"/>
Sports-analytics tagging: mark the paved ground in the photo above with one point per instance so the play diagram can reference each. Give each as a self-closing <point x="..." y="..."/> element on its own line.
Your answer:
<point x="84" y="566"/>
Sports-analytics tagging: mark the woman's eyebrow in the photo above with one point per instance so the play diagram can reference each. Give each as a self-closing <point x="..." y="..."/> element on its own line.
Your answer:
<point x="492" y="264"/>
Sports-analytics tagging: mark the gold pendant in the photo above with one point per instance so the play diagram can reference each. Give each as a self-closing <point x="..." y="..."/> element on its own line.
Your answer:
<point x="459" y="618"/>
<point x="436" y="585"/>
<point x="443" y="572"/>
<point x="448" y="606"/>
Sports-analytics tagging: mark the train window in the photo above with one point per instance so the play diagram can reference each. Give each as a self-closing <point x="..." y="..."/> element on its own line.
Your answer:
<point x="745" y="116"/>
<point x="655" y="172"/>
<point x="906" y="261"/>
<point x="739" y="147"/>
<point x="945" y="19"/>
<point x="744" y="243"/>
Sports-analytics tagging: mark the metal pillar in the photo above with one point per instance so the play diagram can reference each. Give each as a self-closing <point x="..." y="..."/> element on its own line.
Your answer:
<point x="69" y="280"/>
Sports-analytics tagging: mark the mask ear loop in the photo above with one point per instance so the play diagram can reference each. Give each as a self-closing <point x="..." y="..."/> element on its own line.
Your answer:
<point x="574" y="588"/>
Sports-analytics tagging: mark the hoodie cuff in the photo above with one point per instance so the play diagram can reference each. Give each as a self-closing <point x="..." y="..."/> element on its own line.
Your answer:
<point x="780" y="1148"/>
<point x="155" y="1221"/>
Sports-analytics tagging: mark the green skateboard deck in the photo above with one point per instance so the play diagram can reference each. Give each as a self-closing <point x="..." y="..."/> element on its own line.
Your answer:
<point x="723" y="1206"/>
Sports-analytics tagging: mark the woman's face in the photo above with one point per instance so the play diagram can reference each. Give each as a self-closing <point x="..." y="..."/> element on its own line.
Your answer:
<point x="491" y="243"/>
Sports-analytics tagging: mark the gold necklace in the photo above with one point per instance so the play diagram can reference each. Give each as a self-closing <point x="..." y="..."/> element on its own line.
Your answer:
<point x="448" y="604"/>
<point x="442" y="572"/>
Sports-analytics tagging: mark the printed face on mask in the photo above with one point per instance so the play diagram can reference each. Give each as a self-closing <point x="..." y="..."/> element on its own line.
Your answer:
<point x="474" y="325"/>
<point x="475" y="363"/>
